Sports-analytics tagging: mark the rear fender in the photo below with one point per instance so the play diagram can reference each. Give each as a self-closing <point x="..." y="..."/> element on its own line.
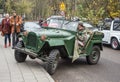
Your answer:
<point x="89" y="47"/>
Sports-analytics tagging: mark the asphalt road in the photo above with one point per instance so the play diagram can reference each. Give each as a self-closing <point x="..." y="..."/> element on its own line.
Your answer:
<point x="107" y="69"/>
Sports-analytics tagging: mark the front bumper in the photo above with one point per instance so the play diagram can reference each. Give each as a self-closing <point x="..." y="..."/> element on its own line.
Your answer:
<point x="26" y="51"/>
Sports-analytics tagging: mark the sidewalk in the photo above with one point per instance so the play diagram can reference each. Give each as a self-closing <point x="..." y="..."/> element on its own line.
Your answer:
<point x="28" y="71"/>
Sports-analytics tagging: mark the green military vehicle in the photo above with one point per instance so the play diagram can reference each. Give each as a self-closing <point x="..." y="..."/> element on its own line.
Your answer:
<point x="50" y="44"/>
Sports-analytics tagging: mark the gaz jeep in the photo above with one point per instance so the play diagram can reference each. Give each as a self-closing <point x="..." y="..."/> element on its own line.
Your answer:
<point x="50" y="44"/>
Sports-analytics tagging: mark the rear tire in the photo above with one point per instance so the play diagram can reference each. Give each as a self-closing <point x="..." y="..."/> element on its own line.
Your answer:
<point x="52" y="61"/>
<point x="94" y="57"/>
<point x="19" y="56"/>
<point x="115" y="44"/>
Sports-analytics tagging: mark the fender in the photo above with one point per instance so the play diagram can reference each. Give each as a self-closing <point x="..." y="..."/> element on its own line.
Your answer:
<point x="92" y="43"/>
<point x="69" y="41"/>
<point x="115" y="36"/>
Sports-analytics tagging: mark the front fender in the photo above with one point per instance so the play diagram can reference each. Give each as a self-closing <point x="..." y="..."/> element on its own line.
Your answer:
<point x="67" y="42"/>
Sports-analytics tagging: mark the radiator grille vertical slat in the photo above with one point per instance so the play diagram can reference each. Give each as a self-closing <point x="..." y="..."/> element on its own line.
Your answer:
<point x="32" y="40"/>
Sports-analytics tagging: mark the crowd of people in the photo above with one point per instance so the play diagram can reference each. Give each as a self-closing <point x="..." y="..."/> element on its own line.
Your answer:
<point x="11" y="26"/>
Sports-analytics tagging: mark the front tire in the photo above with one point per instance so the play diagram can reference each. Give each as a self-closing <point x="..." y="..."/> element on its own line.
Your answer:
<point x="19" y="56"/>
<point x="94" y="57"/>
<point x="52" y="62"/>
<point x="115" y="44"/>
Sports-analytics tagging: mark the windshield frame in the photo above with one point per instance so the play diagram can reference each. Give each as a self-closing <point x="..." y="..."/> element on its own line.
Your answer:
<point x="64" y="24"/>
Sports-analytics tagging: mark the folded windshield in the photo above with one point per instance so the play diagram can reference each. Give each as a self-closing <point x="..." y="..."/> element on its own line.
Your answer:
<point x="63" y="24"/>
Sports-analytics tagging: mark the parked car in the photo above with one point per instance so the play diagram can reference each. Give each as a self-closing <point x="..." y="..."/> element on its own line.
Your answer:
<point x="111" y="30"/>
<point x="90" y="26"/>
<point x="49" y="44"/>
<point x="31" y="26"/>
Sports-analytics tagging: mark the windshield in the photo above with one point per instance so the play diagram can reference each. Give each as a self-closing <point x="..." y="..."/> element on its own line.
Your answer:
<point x="116" y="26"/>
<point x="107" y="25"/>
<point x="70" y="25"/>
<point x="63" y="24"/>
<point x="56" y="23"/>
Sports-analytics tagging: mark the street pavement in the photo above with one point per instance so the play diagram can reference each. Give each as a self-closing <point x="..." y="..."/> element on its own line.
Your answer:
<point x="28" y="71"/>
<point x="107" y="69"/>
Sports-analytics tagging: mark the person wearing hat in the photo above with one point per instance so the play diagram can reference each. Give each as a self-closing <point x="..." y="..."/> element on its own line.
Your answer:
<point x="81" y="39"/>
<point x="15" y="22"/>
<point x="81" y="36"/>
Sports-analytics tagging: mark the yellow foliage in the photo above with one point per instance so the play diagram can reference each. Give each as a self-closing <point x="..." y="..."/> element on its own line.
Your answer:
<point x="114" y="14"/>
<point x="113" y="8"/>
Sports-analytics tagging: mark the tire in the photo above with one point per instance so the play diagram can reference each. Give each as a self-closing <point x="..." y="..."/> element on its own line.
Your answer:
<point x="94" y="57"/>
<point x="115" y="44"/>
<point x="65" y="58"/>
<point x="52" y="61"/>
<point x="20" y="44"/>
<point x="63" y="54"/>
<point x="19" y="56"/>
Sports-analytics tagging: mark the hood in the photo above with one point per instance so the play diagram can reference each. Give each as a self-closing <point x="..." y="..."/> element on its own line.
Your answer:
<point x="59" y="33"/>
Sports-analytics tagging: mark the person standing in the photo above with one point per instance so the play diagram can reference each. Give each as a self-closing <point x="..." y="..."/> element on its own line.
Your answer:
<point x="15" y="22"/>
<point x="6" y="30"/>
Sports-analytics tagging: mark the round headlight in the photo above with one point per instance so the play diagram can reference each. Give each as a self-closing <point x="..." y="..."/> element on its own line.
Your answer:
<point x="43" y="37"/>
<point x="25" y="33"/>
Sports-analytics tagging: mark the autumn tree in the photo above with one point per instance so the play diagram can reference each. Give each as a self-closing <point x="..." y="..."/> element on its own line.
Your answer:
<point x="8" y="6"/>
<point x="23" y="6"/>
<point x="113" y="8"/>
<point x="92" y="10"/>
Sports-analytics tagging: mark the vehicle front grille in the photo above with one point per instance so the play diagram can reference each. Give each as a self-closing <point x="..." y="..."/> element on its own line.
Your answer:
<point x="32" y="40"/>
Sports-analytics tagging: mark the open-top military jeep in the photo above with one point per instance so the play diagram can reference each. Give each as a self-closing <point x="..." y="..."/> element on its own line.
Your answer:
<point x="49" y="44"/>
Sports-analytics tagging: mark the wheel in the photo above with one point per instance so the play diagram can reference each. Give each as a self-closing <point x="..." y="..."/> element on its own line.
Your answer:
<point x="63" y="54"/>
<point x="19" y="56"/>
<point x="52" y="62"/>
<point x="65" y="58"/>
<point x="114" y="44"/>
<point x="94" y="57"/>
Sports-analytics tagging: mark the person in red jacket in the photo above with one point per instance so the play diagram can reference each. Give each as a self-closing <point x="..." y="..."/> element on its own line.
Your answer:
<point x="6" y="30"/>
